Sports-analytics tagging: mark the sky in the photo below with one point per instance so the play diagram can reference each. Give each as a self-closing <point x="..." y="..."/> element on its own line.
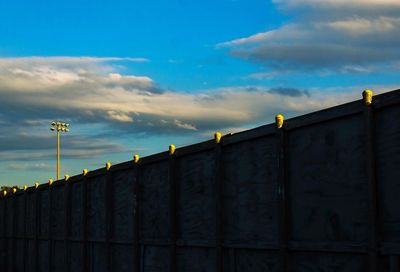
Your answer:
<point x="132" y="77"/>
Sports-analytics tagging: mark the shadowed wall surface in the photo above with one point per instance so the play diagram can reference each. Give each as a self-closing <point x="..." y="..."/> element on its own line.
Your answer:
<point x="319" y="194"/>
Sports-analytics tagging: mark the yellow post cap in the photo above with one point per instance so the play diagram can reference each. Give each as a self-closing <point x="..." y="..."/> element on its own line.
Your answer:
<point x="4" y="193"/>
<point x="51" y="181"/>
<point x="85" y="171"/>
<point x="217" y="137"/>
<point x="172" y="149"/>
<point x="66" y="177"/>
<point x="108" y="165"/>
<point x="136" y="158"/>
<point x="14" y="190"/>
<point x="36" y="184"/>
<point x="279" y="120"/>
<point x="25" y="187"/>
<point x="367" y="96"/>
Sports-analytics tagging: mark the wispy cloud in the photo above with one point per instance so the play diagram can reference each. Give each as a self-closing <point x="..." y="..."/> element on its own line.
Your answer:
<point x="267" y="75"/>
<point x="329" y="4"/>
<point x="66" y="60"/>
<point x="293" y="92"/>
<point x="17" y="145"/>
<point x="29" y="167"/>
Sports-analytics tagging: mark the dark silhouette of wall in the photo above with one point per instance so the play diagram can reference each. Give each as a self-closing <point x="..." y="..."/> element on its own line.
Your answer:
<point x="319" y="194"/>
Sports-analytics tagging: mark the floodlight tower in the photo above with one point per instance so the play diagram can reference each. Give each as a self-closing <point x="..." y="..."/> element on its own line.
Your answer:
<point x="59" y="126"/>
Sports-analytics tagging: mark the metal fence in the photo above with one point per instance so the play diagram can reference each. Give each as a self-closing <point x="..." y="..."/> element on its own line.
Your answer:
<point x="319" y="193"/>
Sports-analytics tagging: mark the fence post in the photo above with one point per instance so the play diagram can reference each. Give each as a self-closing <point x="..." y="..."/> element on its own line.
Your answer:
<point x="13" y="229"/>
<point x="3" y="234"/>
<point x="281" y="135"/>
<point x="136" y="214"/>
<point x="25" y="241"/>
<point x="50" y="241"/>
<point x="218" y="203"/>
<point x="109" y="215"/>
<point x="172" y="208"/>
<point x="37" y="226"/>
<point x="67" y="215"/>
<point x="371" y="176"/>
<point x="85" y="214"/>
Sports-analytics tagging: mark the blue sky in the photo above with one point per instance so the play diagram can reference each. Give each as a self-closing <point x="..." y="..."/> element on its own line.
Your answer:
<point x="134" y="76"/>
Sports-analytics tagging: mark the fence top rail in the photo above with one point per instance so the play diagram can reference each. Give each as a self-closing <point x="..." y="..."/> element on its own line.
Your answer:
<point x="380" y="101"/>
<point x="354" y="107"/>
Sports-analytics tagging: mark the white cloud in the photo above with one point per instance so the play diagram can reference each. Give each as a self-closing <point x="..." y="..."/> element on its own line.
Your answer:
<point x="363" y="26"/>
<point x="355" y="69"/>
<point x="331" y="34"/>
<point x="183" y="125"/>
<point x="120" y="117"/>
<point x="265" y="75"/>
<point x="248" y="40"/>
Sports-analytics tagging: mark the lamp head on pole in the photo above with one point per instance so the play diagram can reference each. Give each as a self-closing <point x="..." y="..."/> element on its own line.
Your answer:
<point x="59" y="126"/>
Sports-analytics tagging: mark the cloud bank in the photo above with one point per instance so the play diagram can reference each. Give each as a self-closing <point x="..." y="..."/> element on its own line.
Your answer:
<point x="93" y="94"/>
<point x="93" y="91"/>
<point x="329" y="35"/>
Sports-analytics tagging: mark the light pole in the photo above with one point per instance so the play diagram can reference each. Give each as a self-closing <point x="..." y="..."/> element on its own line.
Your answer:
<point x="59" y="126"/>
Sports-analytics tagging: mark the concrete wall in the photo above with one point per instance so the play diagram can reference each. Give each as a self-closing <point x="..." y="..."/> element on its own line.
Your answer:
<point x="320" y="194"/>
